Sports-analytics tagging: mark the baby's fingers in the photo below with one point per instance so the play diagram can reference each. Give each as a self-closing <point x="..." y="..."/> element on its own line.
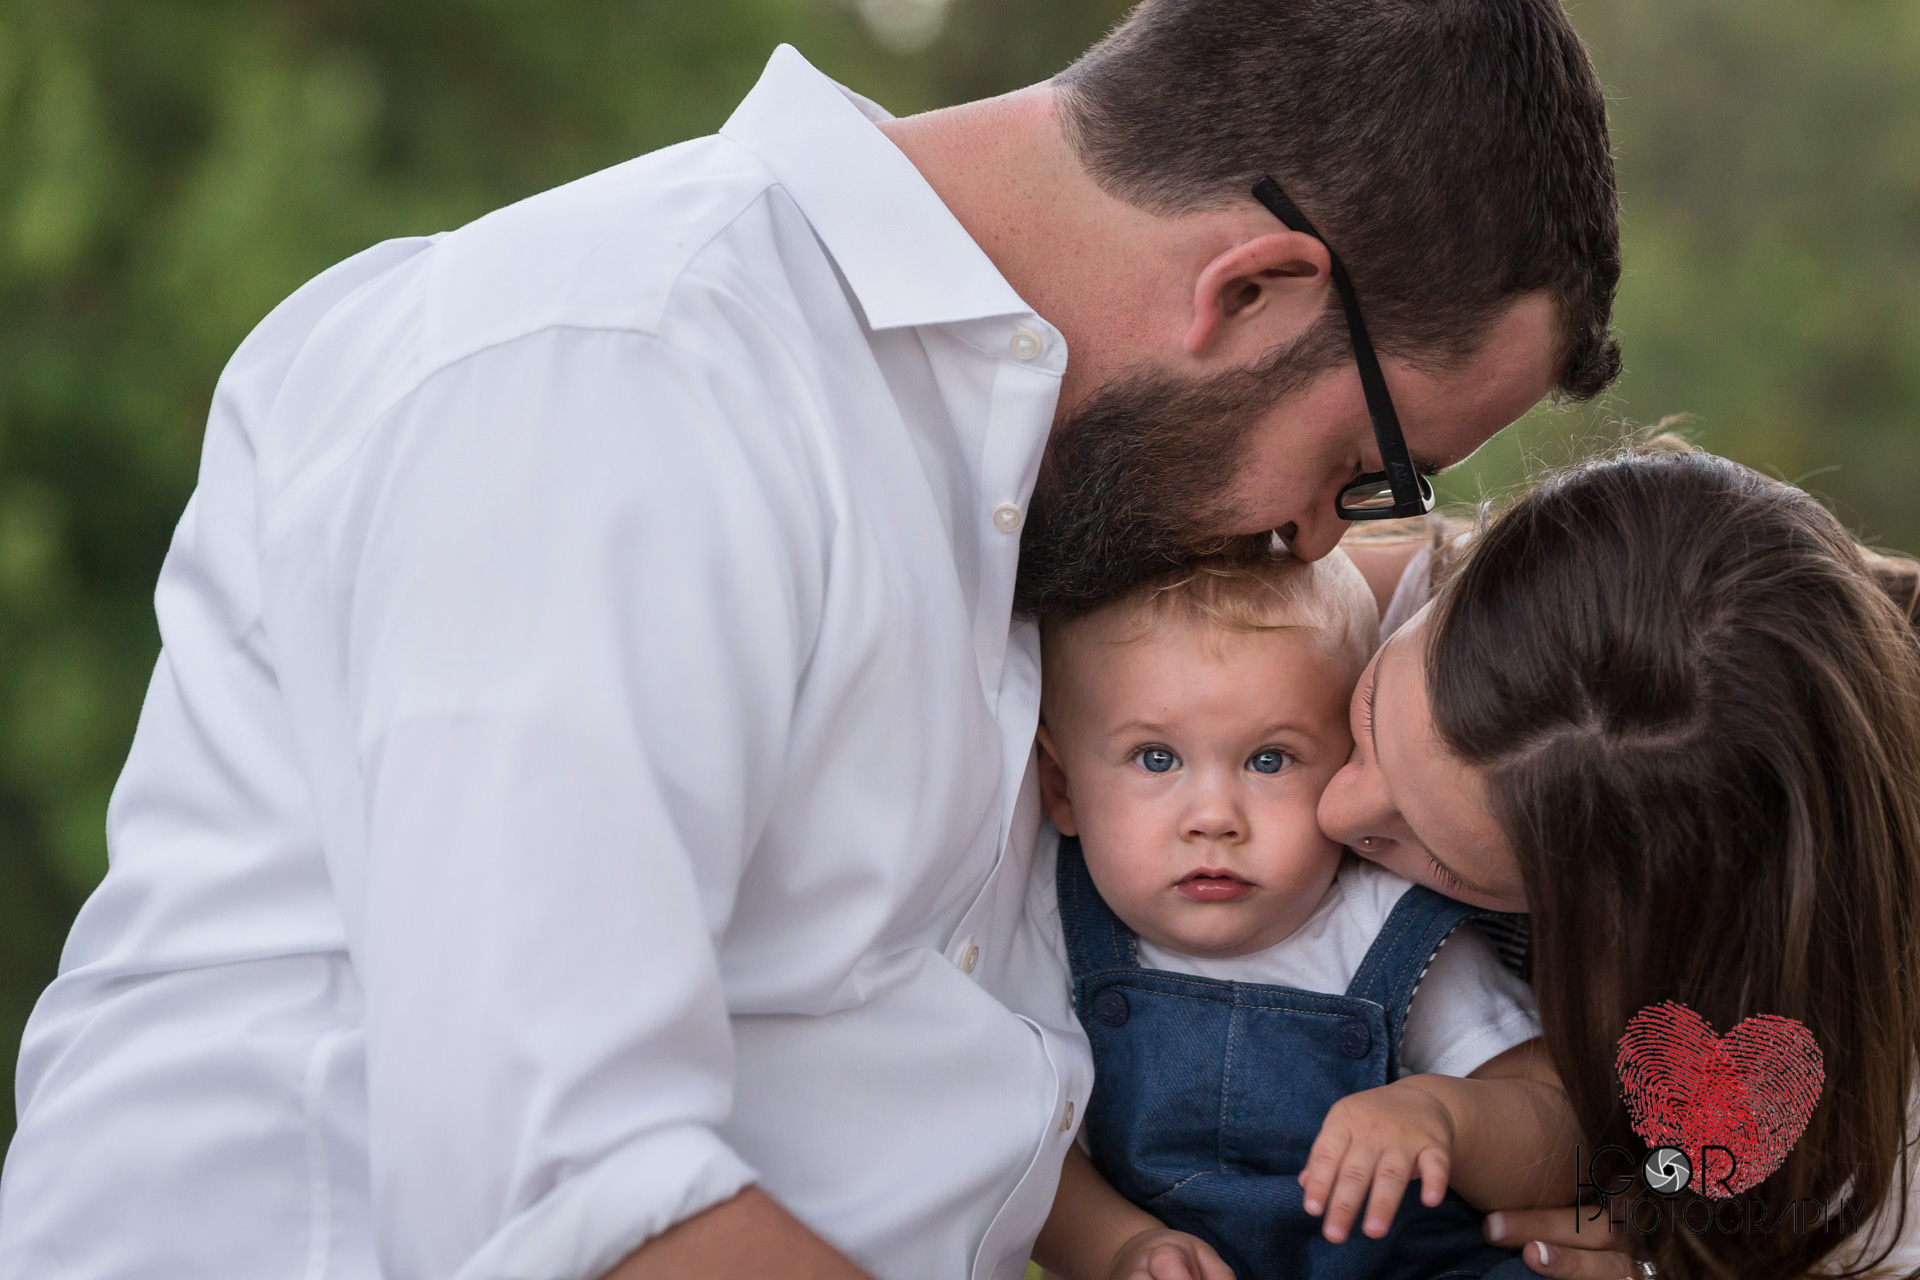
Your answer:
<point x="1435" y="1166"/>
<point x="1211" y="1267"/>
<point x="1323" y="1163"/>
<point x="1169" y="1262"/>
<point x="1350" y="1187"/>
<point x="1170" y="1255"/>
<point x="1390" y="1178"/>
<point x="1194" y="1261"/>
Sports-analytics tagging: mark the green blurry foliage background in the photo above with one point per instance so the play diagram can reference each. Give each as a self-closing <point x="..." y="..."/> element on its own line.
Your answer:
<point x="169" y="169"/>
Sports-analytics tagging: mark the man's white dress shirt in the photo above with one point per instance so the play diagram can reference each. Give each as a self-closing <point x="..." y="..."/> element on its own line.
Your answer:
<point x="587" y="765"/>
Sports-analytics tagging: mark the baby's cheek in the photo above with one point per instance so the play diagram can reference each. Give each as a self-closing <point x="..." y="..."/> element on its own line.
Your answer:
<point x="1126" y="874"/>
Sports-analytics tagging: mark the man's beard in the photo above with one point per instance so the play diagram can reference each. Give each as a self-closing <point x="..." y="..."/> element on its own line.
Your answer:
<point x="1138" y="480"/>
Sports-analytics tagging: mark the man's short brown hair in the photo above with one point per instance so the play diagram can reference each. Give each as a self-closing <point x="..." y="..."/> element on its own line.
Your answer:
<point x="1453" y="152"/>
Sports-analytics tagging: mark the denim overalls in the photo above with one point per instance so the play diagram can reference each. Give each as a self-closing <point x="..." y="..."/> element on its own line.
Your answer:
<point x="1208" y="1094"/>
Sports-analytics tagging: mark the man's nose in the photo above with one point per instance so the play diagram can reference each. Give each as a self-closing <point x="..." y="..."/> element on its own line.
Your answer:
<point x="1318" y="529"/>
<point x="1314" y="534"/>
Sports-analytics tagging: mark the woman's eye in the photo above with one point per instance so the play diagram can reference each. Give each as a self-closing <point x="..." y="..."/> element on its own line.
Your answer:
<point x="1444" y="874"/>
<point x="1267" y="761"/>
<point x="1157" y="759"/>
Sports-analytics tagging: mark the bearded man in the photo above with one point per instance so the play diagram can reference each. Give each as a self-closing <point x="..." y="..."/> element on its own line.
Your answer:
<point x="579" y="819"/>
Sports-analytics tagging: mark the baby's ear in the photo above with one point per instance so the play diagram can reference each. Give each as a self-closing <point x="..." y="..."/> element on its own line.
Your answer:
<point x="1054" y="791"/>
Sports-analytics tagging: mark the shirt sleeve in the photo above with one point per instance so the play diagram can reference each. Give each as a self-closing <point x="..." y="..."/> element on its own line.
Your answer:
<point x="1468" y="1010"/>
<point x="580" y="574"/>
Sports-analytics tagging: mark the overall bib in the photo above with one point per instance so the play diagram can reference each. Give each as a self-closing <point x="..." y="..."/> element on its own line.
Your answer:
<point x="1208" y="1094"/>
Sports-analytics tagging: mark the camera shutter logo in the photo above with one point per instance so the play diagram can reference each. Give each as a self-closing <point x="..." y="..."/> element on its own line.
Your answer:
<point x="1667" y="1170"/>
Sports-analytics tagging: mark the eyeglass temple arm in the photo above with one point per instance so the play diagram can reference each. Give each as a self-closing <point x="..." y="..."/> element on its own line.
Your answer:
<point x="1386" y="422"/>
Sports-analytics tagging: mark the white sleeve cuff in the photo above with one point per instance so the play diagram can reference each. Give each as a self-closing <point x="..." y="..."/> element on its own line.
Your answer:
<point x="592" y="1220"/>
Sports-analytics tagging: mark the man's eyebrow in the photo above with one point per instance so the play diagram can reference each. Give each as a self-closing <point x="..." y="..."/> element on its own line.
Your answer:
<point x="1428" y="467"/>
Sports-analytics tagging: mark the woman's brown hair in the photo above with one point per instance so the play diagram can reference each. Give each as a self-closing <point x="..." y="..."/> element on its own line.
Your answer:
<point x="1697" y="706"/>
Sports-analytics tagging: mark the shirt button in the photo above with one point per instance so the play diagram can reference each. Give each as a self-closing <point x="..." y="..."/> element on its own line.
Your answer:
<point x="1007" y="517"/>
<point x="970" y="958"/>
<point x="1066" y="1118"/>
<point x="1025" y="344"/>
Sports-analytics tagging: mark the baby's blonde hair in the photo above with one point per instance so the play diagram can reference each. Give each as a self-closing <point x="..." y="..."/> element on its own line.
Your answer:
<point x="1266" y="593"/>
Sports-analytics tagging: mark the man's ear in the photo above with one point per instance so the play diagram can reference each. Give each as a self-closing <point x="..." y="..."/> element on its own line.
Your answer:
<point x="1277" y="282"/>
<point x="1054" y="792"/>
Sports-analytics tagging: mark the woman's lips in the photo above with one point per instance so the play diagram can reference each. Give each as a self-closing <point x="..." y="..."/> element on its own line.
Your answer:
<point x="1208" y="885"/>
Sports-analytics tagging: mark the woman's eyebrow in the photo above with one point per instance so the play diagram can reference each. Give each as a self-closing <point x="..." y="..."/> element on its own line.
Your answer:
<point x="1373" y="721"/>
<point x="1373" y="691"/>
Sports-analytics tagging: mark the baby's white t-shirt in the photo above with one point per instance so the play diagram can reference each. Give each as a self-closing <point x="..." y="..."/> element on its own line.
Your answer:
<point x="1468" y="1009"/>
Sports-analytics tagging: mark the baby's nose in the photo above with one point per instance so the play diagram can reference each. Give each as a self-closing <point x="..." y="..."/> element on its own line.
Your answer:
<point x="1214" y="815"/>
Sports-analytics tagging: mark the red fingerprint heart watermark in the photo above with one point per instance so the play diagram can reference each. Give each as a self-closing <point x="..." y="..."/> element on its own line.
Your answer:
<point x="1735" y="1104"/>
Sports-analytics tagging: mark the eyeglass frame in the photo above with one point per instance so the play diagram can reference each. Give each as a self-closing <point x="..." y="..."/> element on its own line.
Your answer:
<point x="1412" y="494"/>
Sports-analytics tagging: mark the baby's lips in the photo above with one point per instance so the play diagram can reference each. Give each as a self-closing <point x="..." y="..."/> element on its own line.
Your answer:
<point x="1208" y="885"/>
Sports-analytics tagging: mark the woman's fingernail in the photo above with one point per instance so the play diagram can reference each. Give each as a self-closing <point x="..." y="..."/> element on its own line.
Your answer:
<point x="1546" y="1259"/>
<point x="1496" y="1226"/>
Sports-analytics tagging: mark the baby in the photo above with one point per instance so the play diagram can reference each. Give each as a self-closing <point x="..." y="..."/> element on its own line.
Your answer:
<point x="1246" y="983"/>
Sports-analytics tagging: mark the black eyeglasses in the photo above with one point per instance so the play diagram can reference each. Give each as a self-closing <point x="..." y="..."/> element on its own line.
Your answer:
<point x="1400" y="490"/>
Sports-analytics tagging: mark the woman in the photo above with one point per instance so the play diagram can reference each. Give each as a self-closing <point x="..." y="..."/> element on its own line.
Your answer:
<point x="1670" y="708"/>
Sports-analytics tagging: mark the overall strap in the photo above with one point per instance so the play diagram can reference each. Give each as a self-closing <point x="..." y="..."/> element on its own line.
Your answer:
<point x="1419" y="922"/>
<point x="1095" y="937"/>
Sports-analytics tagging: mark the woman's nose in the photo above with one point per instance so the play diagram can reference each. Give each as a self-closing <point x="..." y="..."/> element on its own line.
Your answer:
<point x="1354" y="807"/>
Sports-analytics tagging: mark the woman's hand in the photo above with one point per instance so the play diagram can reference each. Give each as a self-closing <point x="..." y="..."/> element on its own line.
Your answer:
<point x="1550" y="1245"/>
<point x="1165" y="1254"/>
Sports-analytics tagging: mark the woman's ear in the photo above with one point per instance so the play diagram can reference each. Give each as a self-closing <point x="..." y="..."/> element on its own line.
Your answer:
<point x="1277" y="281"/>
<point x="1054" y="792"/>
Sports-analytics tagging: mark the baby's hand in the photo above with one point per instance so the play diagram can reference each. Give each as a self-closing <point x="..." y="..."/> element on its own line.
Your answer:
<point x="1164" y="1254"/>
<point x="1378" y="1139"/>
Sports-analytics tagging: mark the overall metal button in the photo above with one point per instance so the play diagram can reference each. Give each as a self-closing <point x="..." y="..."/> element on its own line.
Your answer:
<point x="1110" y="1007"/>
<point x="1356" y="1041"/>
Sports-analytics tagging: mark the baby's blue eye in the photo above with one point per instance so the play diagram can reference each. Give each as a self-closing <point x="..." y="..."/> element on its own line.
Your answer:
<point x="1267" y="761"/>
<point x="1158" y="760"/>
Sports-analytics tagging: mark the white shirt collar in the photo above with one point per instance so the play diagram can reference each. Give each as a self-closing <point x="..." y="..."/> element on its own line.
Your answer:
<point x="905" y="256"/>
